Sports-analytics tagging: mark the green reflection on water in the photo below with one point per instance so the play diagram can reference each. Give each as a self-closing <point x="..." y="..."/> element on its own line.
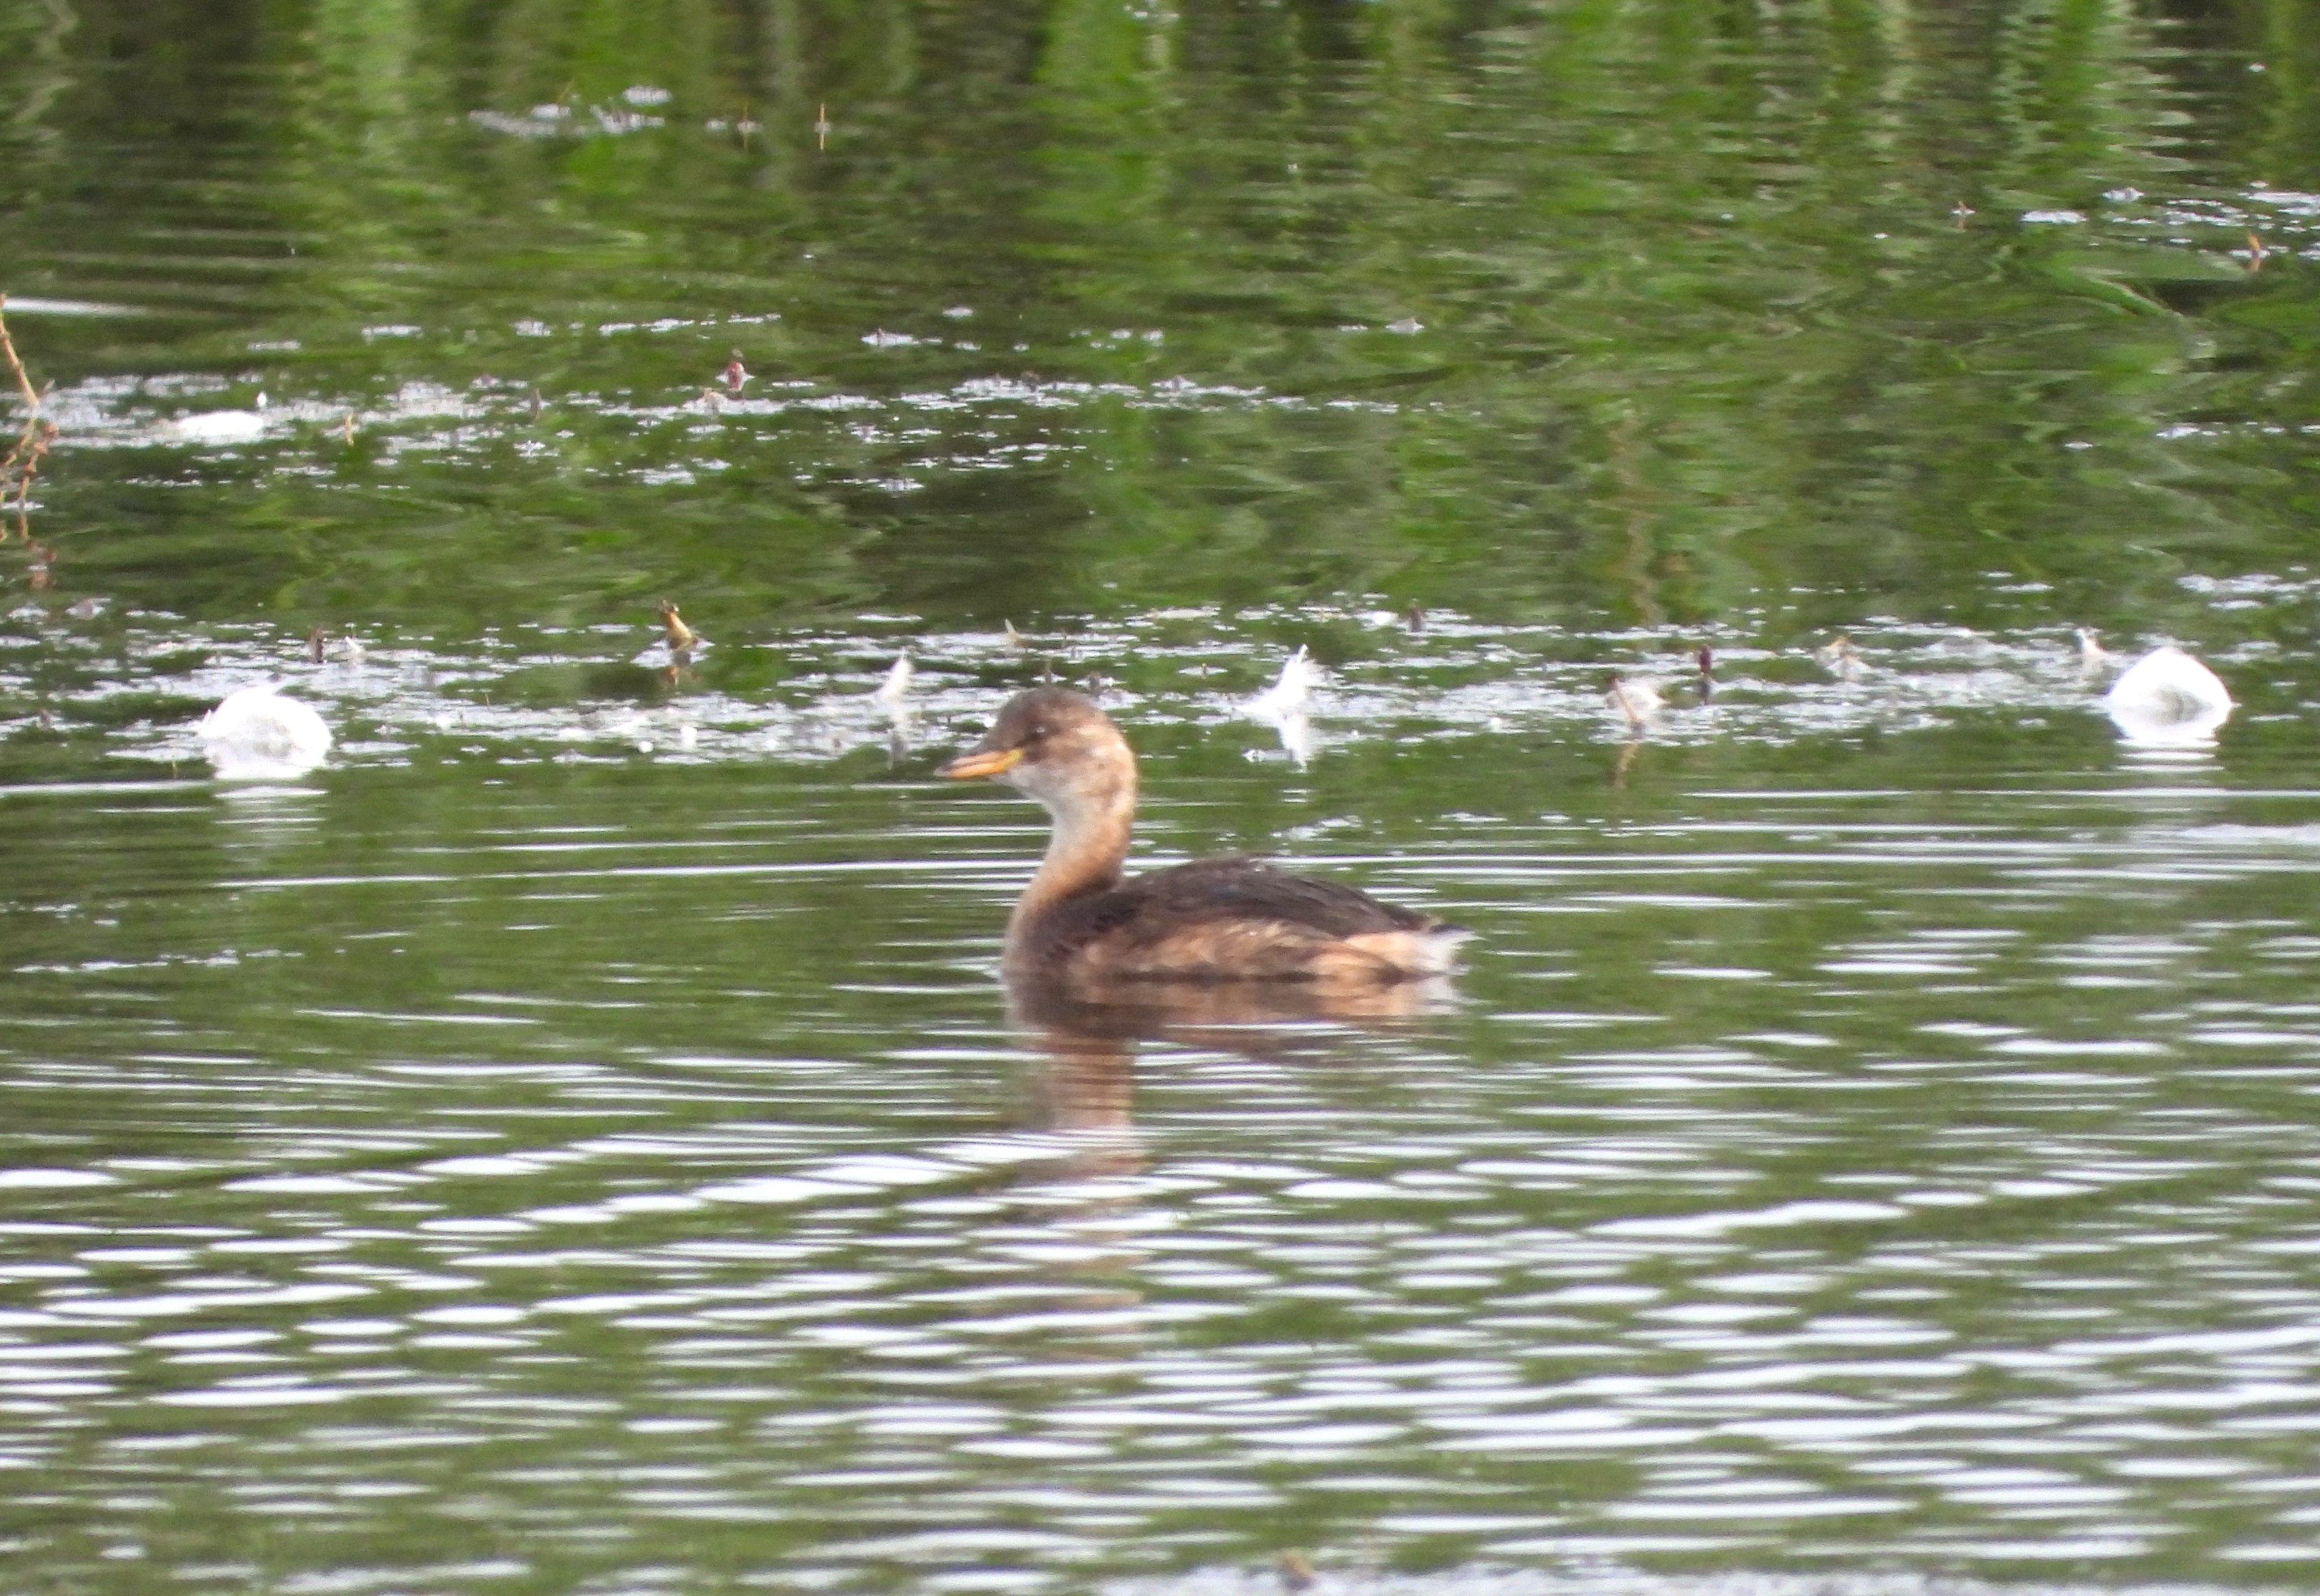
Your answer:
<point x="1692" y="319"/>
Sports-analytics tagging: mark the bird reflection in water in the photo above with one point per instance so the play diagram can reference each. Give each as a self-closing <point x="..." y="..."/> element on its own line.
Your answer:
<point x="1081" y="1089"/>
<point x="1085" y="1034"/>
<point x="1083" y="1038"/>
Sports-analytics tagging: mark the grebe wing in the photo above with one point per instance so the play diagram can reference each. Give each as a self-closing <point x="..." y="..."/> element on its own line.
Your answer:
<point x="1240" y="919"/>
<point x="1240" y="886"/>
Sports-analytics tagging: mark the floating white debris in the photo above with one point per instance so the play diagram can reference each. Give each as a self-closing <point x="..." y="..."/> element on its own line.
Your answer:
<point x="219" y="427"/>
<point x="1289" y="690"/>
<point x="896" y="689"/>
<point x="1637" y="700"/>
<point x="257" y="734"/>
<point x="615" y="121"/>
<point x="2168" y="699"/>
<point x="1297" y="739"/>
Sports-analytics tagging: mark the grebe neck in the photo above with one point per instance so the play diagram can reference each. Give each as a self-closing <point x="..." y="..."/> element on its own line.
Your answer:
<point x="1087" y="852"/>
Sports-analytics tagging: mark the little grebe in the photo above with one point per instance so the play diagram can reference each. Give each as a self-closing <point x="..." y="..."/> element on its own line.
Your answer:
<point x="1216" y="920"/>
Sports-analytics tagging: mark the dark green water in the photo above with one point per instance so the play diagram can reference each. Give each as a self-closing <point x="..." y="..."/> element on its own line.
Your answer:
<point x="574" y="1139"/>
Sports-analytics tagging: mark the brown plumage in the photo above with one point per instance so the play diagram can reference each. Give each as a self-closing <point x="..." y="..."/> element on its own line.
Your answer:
<point x="1216" y="920"/>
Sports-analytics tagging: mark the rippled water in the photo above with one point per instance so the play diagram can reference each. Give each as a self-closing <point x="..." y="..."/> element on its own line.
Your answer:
<point x="1889" y="1142"/>
<point x="574" y="1139"/>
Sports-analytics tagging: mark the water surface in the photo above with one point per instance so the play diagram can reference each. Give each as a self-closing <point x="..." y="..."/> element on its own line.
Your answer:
<point x="575" y="1140"/>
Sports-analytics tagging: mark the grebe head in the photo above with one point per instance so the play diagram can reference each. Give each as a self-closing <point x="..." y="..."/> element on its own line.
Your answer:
<point x="1056" y="745"/>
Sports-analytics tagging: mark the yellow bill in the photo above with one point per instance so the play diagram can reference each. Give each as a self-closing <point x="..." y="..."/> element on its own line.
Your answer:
<point x="982" y="761"/>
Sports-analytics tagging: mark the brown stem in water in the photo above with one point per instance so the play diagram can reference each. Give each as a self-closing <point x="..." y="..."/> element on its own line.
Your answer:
<point x="15" y="365"/>
<point x="23" y="460"/>
<point x="32" y="447"/>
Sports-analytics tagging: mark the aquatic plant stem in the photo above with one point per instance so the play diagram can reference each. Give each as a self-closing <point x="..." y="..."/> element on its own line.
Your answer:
<point x="15" y="364"/>
<point x="23" y="460"/>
